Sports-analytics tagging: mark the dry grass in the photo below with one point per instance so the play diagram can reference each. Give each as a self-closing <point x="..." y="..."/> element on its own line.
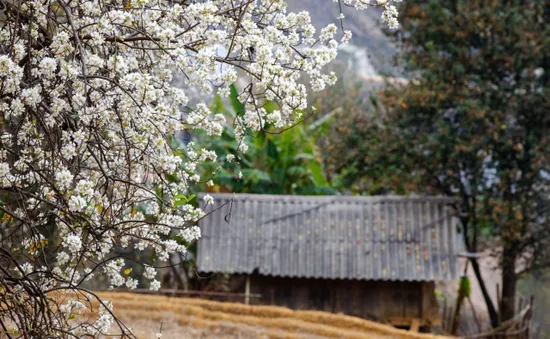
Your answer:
<point x="231" y="320"/>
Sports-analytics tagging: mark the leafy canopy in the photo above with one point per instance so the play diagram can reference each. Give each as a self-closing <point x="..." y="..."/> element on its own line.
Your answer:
<point x="473" y="122"/>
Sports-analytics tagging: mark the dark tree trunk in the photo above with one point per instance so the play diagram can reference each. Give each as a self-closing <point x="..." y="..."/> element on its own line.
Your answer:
<point x="471" y="246"/>
<point x="509" y="280"/>
<point x="493" y="315"/>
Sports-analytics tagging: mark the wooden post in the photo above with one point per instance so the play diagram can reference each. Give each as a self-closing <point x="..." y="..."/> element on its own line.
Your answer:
<point x="247" y="290"/>
<point x="529" y="316"/>
<point x="464" y="290"/>
<point x="456" y="315"/>
<point x="445" y="323"/>
<point x="499" y="302"/>
<point x="478" y="322"/>
<point x="415" y="325"/>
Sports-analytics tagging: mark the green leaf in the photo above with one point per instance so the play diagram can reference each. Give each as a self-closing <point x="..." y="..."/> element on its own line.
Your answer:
<point x="217" y="105"/>
<point x="180" y="202"/>
<point x="234" y="99"/>
<point x="317" y="173"/>
<point x="256" y="175"/>
<point x="319" y="126"/>
<point x="171" y="178"/>
<point x="182" y="199"/>
<point x="296" y="171"/>
<point x="304" y="156"/>
<point x="270" y="106"/>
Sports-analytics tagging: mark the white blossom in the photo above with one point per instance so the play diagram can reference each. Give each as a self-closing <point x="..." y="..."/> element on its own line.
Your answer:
<point x="47" y="67"/>
<point x="73" y="243"/>
<point x="73" y="306"/>
<point x="77" y="204"/>
<point x="131" y="283"/>
<point x="91" y="108"/>
<point x="64" y="179"/>
<point x="5" y="174"/>
<point x="150" y="272"/>
<point x="347" y="36"/>
<point x="26" y="268"/>
<point x="390" y="14"/>
<point x="62" y="258"/>
<point x="208" y="199"/>
<point x="154" y="286"/>
<point x="190" y="234"/>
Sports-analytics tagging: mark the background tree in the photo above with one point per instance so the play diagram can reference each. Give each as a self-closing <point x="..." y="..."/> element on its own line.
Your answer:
<point x="472" y="123"/>
<point x="357" y="135"/>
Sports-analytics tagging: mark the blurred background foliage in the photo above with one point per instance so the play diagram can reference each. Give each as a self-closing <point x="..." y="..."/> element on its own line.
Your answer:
<point x="472" y="122"/>
<point x="276" y="162"/>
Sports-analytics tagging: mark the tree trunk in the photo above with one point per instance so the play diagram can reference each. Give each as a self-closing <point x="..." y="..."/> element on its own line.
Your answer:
<point x="493" y="315"/>
<point x="471" y="246"/>
<point x="509" y="280"/>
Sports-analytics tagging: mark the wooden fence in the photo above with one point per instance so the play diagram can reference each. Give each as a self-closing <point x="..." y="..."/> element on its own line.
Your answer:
<point x="472" y="326"/>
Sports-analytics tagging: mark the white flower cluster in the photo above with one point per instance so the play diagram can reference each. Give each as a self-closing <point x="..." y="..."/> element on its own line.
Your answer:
<point x="389" y="15"/>
<point x="74" y="307"/>
<point x="88" y="106"/>
<point x="101" y="326"/>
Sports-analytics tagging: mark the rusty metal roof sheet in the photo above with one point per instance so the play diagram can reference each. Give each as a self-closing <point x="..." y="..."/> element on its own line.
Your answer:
<point x="331" y="237"/>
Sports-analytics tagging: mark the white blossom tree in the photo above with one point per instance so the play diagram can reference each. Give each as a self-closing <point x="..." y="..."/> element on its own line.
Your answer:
<point x="87" y="109"/>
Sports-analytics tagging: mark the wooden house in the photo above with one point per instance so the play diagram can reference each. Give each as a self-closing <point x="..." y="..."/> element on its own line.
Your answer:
<point x="372" y="257"/>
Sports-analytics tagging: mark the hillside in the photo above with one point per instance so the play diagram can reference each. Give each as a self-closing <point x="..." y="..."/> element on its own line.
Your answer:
<point x="370" y="49"/>
<point x="197" y="318"/>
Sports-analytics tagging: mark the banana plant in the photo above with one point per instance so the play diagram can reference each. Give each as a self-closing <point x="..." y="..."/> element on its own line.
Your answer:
<point x="275" y="163"/>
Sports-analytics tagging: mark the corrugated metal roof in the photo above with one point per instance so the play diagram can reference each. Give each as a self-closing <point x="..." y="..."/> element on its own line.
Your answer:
<point x="334" y="237"/>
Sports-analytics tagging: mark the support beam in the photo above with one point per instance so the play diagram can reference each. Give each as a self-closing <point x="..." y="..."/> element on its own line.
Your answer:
<point x="415" y="325"/>
<point x="247" y="291"/>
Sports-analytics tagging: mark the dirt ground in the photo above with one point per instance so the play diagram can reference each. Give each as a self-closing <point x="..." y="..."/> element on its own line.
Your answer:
<point x="171" y="329"/>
